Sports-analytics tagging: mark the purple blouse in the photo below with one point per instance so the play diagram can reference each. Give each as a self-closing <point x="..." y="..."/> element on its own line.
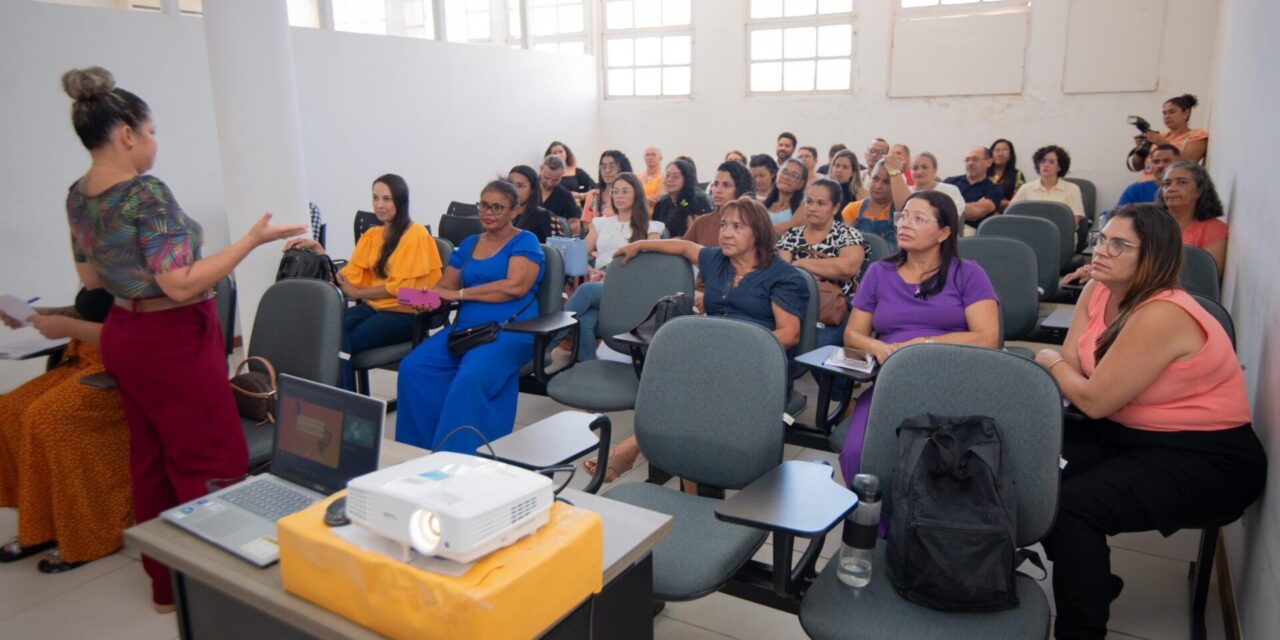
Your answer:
<point x="899" y="315"/>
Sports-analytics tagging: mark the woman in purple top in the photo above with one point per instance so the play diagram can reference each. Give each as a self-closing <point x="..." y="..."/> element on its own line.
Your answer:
<point x="924" y="294"/>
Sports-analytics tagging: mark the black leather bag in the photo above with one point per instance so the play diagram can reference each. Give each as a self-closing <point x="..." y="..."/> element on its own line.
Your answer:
<point x="666" y="308"/>
<point x="464" y="340"/>
<point x="303" y="263"/>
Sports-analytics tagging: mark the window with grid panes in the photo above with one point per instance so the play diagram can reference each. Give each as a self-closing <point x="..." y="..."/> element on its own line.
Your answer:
<point x="648" y="48"/>
<point x="554" y="25"/>
<point x="468" y="20"/>
<point x="800" y="46"/>
<point x="913" y="4"/>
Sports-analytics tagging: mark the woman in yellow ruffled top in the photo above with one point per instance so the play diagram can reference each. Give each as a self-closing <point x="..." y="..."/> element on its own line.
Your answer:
<point x="400" y="253"/>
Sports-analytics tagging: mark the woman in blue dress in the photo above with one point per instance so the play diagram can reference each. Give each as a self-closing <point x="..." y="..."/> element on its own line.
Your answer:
<point x="494" y="276"/>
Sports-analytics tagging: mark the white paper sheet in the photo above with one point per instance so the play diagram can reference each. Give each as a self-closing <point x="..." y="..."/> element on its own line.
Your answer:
<point x="16" y="308"/>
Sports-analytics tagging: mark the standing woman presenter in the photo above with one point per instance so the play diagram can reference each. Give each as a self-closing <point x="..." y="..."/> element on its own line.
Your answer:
<point x="161" y="341"/>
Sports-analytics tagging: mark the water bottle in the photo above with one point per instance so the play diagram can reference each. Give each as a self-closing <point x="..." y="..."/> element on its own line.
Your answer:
<point x="859" y="534"/>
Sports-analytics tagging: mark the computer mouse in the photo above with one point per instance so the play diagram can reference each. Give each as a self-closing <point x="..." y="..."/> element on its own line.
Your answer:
<point x="336" y="514"/>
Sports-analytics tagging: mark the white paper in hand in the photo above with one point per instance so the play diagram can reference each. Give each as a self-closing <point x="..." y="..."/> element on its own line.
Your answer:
<point x="16" y="308"/>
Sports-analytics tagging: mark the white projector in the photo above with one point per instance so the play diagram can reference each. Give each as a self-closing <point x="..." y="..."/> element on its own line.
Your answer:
<point x="451" y="505"/>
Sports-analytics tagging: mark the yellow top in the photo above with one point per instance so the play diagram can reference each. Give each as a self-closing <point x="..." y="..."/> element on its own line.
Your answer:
<point x="415" y="263"/>
<point x="652" y="186"/>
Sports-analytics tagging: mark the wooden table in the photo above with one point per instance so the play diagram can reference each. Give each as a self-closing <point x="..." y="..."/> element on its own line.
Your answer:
<point x="219" y="595"/>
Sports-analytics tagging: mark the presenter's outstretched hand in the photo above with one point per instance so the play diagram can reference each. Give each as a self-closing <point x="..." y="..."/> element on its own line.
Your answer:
<point x="263" y="231"/>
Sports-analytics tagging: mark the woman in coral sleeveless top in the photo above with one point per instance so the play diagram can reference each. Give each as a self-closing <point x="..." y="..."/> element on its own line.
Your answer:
<point x="1168" y="441"/>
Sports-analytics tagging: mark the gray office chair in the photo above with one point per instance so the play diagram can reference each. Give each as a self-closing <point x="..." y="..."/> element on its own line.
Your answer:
<point x="550" y="322"/>
<point x="1199" y="273"/>
<point x="1041" y="235"/>
<point x="389" y="357"/>
<point x="877" y="249"/>
<point x="298" y="328"/>
<point x="1220" y="314"/>
<point x="1089" y="194"/>
<point x="939" y="379"/>
<point x="462" y="209"/>
<point x="1062" y="218"/>
<point x="721" y="435"/>
<point x="1011" y="266"/>
<point x="455" y="229"/>
<point x="629" y="294"/>
<point x="364" y="221"/>
<point x="808" y="342"/>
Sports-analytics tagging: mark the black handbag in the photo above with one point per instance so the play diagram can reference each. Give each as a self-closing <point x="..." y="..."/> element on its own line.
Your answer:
<point x="303" y="263"/>
<point x="666" y="308"/>
<point x="462" y="341"/>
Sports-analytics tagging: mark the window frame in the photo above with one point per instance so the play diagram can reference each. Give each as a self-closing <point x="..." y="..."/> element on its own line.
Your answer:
<point x="585" y="36"/>
<point x="974" y="7"/>
<point x="815" y="20"/>
<point x="603" y="33"/>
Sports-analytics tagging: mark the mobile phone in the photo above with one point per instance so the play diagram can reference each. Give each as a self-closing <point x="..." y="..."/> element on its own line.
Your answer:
<point x="857" y="355"/>
<point x="418" y="298"/>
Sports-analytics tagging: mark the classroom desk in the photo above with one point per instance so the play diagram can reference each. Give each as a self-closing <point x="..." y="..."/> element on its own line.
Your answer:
<point x="221" y="596"/>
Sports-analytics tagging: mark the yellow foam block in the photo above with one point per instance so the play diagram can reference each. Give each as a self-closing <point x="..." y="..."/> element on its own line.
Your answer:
<point x="516" y="592"/>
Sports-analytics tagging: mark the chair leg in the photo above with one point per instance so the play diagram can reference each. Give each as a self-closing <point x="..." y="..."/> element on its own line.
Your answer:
<point x="1198" y="577"/>
<point x="362" y="382"/>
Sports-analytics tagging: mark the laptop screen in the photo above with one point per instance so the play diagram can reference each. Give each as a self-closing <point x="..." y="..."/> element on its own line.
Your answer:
<point x="325" y="436"/>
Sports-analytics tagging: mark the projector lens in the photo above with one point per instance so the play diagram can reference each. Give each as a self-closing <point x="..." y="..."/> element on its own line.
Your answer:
<point x="424" y="531"/>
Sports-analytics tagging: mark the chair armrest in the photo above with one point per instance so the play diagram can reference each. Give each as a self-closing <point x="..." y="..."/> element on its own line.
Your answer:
<point x="798" y="498"/>
<point x="556" y="440"/>
<point x="816" y="360"/>
<point x="545" y="324"/>
<point x="425" y="321"/>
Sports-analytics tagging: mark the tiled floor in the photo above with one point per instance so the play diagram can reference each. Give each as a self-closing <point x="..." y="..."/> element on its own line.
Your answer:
<point x="109" y="598"/>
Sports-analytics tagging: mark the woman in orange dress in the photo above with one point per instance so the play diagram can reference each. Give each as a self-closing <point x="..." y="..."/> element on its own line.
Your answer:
<point x="64" y="450"/>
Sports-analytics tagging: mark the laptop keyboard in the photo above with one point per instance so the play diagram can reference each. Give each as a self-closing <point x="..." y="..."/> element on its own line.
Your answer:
<point x="268" y="499"/>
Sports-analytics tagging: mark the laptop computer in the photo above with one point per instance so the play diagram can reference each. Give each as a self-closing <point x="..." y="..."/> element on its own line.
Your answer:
<point x="324" y="437"/>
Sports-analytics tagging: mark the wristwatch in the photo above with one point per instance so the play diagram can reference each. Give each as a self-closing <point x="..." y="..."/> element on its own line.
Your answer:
<point x="894" y="172"/>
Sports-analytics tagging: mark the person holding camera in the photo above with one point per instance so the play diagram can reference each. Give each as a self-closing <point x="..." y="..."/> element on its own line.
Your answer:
<point x="1192" y="144"/>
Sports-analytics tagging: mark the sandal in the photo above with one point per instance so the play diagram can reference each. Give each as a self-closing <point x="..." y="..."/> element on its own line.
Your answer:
<point x="52" y="562"/>
<point x="12" y="551"/>
<point x="613" y="470"/>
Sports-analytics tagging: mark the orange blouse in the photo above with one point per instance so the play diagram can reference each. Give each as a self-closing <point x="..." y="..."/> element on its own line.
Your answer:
<point x="415" y="263"/>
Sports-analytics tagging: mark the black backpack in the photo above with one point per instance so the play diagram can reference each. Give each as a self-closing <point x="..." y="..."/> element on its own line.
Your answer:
<point x="953" y="533"/>
<point x="303" y="263"/>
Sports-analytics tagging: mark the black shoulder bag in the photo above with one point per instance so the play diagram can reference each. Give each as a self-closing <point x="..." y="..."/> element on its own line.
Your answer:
<point x="465" y="340"/>
<point x="665" y="309"/>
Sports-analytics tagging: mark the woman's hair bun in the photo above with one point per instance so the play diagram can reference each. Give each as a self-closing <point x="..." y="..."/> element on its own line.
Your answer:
<point x="86" y="84"/>
<point x="1189" y="100"/>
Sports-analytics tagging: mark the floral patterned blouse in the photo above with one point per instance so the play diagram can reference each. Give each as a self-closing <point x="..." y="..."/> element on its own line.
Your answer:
<point x="840" y="236"/>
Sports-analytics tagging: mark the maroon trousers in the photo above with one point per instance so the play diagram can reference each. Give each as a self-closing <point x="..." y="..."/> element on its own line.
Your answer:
<point x="184" y="430"/>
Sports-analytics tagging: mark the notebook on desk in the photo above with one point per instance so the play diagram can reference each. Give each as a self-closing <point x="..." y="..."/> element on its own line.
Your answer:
<point x="324" y="437"/>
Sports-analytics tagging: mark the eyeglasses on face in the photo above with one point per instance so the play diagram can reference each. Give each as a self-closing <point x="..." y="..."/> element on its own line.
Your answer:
<point x="903" y="218"/>
<point x="794" y="175"/>
<point x="487" y="207"/>
<point x="608" y="166"/>
<point x="1114" y="246"/>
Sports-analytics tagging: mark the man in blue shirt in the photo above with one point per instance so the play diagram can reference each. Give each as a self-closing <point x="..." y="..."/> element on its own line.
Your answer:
<point x="981" y="195"/>
<point x="1145" y="190"/>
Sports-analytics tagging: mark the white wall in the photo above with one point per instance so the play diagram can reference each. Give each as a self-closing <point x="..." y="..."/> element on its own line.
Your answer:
<point x="1246" y="91"/>
<point x="445" y="116"/>
<point x="1092" y="127"/>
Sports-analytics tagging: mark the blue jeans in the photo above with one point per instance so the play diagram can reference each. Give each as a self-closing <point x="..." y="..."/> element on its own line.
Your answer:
<point x="585" y="303"/>
<point x="365" y="328"/>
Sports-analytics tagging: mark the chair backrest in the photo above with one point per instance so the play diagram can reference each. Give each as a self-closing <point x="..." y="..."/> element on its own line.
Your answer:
<point x="1089" y="194"/>
<point x="1199" y="273"/>
<point x="298" y="328"/>
<point x="1062" y="218"/>
<point x="877" y="249"/>
<point x="551" y="290"/>
<point x="1041" y="235"/>
<point x="224" y="295"/>
<point x="445" y="249"/>
<point x="630" y="291"/>
<point x="462" y="209"/>
<point x="1220" y="314"/>
<point x="961" y="380"/>
<point x="363" y="222"/>
<point x="709" y="407"/>
<point x="455" y="229"/>
<point x="1011" y="266"/>
<point x="809" y="323"/>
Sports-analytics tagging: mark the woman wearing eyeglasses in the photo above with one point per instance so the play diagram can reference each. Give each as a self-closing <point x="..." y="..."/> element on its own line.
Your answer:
<point x="783" y="203"/>
<point x="493" y="276"/>
<point x="1052" y="163"/>
<point x="924" y="294"/>
<point x="1167" y="442"/>
<point x="612" y="164"/>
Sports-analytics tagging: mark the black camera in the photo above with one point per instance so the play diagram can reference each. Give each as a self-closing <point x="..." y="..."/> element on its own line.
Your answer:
<point x="1144" y="148"/>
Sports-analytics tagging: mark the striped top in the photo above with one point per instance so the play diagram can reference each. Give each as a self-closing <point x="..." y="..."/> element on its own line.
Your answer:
<point x="131" y="232"/>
